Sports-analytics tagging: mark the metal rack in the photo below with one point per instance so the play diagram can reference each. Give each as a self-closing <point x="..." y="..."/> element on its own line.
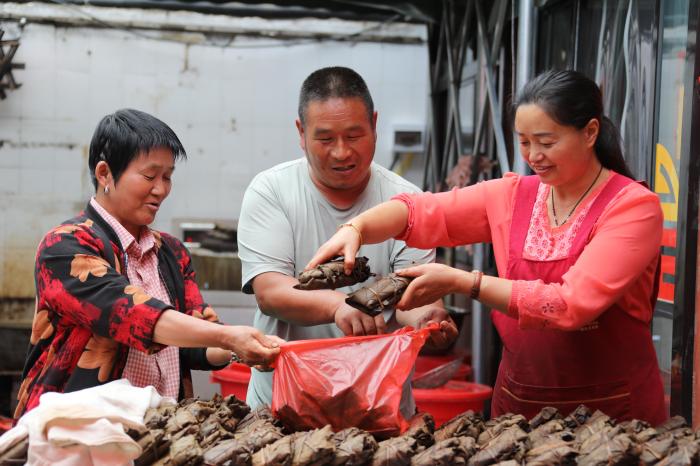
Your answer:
<point x="472" y="57"/>
<point x="8" y="48"/>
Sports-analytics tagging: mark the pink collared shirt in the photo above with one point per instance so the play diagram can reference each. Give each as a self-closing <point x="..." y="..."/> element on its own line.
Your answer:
<point x="162" y="369"/>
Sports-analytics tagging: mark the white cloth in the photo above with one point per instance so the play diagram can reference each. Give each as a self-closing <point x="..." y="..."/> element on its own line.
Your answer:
<point x="86" y="427"/>
<point x="13" y="437"/>
<point x="284" y="220"/>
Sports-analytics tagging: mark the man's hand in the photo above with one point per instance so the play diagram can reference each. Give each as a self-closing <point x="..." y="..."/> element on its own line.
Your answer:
<point x="353" y="322"/>
<point x="443" y="337"/>
<point x="439" y="339"/>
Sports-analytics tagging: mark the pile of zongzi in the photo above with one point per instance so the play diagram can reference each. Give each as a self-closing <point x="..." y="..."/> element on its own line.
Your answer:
<point x="224" y="431"/>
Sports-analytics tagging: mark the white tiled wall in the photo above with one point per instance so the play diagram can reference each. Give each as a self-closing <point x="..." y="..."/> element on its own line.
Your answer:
<point x="233" y="108"/>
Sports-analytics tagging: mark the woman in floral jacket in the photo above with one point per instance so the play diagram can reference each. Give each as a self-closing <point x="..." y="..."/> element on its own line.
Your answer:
<point x="116" y="299"/>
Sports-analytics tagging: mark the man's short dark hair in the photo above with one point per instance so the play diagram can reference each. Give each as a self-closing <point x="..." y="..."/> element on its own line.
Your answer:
<point x="334" y="82"/>
<point x="121" y="136"/>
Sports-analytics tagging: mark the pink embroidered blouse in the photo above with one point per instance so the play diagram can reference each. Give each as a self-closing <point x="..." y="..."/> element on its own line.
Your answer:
<point x="617" y="265"/>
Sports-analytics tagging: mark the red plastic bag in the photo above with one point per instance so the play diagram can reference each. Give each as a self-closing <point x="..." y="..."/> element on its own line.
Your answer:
<point x="346" y="382"/>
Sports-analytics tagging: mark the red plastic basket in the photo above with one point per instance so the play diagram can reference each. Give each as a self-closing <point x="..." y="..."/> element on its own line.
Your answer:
<point x="451" y="399"/>
<point x="233" y="380"/>
<point x="427" y="363"/>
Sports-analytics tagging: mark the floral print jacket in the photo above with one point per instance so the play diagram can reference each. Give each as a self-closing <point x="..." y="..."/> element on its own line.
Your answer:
<point x="88" y="315"/>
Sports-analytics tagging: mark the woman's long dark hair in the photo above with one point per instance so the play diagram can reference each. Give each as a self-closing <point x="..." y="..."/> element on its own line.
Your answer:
<point x="572" y="99"/>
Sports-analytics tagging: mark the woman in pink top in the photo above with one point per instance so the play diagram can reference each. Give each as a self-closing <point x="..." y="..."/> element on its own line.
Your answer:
<point x="577" y="250"/>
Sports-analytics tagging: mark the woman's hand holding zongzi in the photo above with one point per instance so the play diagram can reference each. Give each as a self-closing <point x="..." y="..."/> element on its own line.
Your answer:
<point x="430" y="283"/>
<point x="345" y="242"/>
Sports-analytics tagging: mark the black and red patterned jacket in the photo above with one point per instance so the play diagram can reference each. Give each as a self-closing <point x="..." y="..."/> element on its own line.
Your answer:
<point x="88" y="315"/>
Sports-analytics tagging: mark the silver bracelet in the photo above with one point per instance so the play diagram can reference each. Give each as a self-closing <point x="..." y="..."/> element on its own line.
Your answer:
<point x="235" y="358"/>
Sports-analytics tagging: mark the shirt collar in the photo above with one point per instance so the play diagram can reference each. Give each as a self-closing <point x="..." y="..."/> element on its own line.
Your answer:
<point x="146" y="242"/>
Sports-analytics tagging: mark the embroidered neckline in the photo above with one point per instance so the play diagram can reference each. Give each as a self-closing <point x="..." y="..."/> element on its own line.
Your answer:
<point x="545" y="242"/>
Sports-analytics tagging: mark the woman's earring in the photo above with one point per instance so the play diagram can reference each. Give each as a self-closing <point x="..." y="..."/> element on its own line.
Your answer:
<point x="106" y="189"/>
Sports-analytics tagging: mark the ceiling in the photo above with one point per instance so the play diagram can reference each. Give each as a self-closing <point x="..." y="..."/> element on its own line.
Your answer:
<point x="419" y="11"/>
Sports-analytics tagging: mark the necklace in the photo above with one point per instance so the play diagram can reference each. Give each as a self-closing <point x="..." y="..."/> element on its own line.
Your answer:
<point x="554" y="210"/>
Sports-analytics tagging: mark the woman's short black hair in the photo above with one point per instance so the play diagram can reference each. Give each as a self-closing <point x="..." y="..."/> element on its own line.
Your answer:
<point x="125" y="134"/>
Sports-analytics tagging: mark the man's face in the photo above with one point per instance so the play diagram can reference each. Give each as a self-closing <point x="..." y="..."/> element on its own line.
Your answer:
<point x="339" y="139"/>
